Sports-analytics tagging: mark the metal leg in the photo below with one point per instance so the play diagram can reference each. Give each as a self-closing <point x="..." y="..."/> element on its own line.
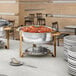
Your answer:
<point x="75" y="31"/>
<point x="21" y="53"/>
<point x="13" y="32"/>
<point x="58" y="41"/>
<point x="54" y="46"/>
<point x="54" y="53"/>
<point x="7" y="37"/>
<point x="54" y="39"/>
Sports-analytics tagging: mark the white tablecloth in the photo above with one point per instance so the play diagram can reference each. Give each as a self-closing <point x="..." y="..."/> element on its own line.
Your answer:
<point x="46" y="66"/>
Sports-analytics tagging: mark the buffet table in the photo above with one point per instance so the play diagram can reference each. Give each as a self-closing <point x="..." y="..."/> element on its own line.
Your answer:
<point x="42" y="66"/>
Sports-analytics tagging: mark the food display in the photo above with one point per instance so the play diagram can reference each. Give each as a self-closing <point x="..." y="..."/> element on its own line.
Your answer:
<point x="37" y="33"/>
<point x="37" y="29"/>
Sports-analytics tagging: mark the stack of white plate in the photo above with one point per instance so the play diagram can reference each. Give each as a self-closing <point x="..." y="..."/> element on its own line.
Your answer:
<point x="72" y="60"/>
<point x="69" y="41"/>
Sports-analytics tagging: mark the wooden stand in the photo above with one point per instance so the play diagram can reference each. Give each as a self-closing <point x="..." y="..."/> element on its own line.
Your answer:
<point x="53" y="54"/>
<point x="7" y="29"/>
<point x="55" y="35"/>
<point x="21" y="52"/>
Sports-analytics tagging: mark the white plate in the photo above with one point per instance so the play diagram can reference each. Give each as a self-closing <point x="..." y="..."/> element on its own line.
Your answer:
<point x="16" y="64"/>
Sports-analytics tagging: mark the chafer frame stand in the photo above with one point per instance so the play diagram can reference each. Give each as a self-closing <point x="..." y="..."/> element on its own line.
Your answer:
<point x="7" y="29"/>
<point x="21" y="53"/>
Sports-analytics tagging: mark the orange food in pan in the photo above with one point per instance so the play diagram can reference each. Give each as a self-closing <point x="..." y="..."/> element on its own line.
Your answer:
<point x="34" y="29"/>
